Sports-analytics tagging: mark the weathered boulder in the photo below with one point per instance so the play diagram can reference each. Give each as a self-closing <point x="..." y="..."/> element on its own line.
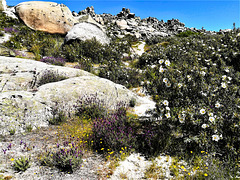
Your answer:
<point x="46" y="16"/>
<point x="21" y="107"/>
<point x="122" y="24"/>
<point x="85" y="31"/>
<point x="17" y="74"/>
<point x="3" y="5"/>
<point x="88" y="19"/>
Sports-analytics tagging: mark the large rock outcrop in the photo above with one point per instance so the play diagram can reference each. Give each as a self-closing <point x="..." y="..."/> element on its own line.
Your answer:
<point x="85" y="31"/>
<point x="3" y="5"/>
<point x="46" y="16"/>
<point x="22" y="104"/>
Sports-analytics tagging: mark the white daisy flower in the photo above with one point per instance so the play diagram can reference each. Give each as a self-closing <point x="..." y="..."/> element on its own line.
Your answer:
<point x="215" y="137"/>
<point x="212" y="119"/>
<point x="224" y="85"/>
<point x="161" y="69"/>
<point x="167" y="108"/>
<point x="210" y="114"/>
<point x="168" y="84"/>
<point x="202" y="111"/>
<point x="227" y="70"/>
<point x="165" y="102"/>
<point x="181" y="120"/>
<point x="179" y="85"/>
<point x="167" y="63"/>
<point x="160" y="61"/>
<point x="168" y="115"/>
<point x="204" y="126"/>
<point x="217" y="105"/>
<point x="165" y="80"/>
<point x="224" y="77"/>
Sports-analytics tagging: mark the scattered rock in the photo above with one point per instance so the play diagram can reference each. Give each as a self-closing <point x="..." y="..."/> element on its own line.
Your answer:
<point x="88" y="19"/>
<point x="46" y="16"/>
<point x="223" y="31"/>
<point x="4" y="38"/>
<point x="125" y="13"/>
<point x="4" y="51"/>
<point x="88" y="10"/>
<point x="132" y="168"/>
<point x="122" y="24"/>
<point x="3" y="5"/>
<point x="85" y="31"/>
<point x="10" y="12"/>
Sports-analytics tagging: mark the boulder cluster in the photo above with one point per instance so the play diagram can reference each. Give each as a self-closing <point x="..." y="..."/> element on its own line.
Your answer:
<point x="57" y="18"/>
<point x="125" y="22"/>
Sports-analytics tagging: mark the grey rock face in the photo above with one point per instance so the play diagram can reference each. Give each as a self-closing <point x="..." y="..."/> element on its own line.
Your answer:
<point x="85" y="31"/>
<point x="22" y="104"/>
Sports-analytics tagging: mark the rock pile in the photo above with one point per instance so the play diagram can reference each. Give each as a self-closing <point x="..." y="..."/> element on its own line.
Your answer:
<point x="57" y="18"/>
<point x="125" y="23"/>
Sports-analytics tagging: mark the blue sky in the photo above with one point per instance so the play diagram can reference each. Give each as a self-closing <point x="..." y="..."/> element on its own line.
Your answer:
<point x="212" y="15"/>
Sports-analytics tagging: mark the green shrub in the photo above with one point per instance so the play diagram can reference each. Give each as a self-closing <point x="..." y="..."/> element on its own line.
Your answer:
<point x="195" y="86"/>
<point x="12" y="131"/>
<point x="90" y="107"/>
<point x="54" y="60"/>
<point x="40" y="43"/>
<point x="6" y="21"/>
<point x="132" y="102"/>
<point x="113" y="133"/>
<point x="128" y="77"/>
<point x="59" y="117"/>
<point x="67" y="157"/>
<point x="29" y="128"/>
<point x="186" y="34"/>
<point x="49" y="76"/>
<point x="21" y="164"/>
<point x="78" y="50"/>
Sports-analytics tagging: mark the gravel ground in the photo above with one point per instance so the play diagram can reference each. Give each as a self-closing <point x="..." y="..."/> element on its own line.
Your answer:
<point x="46" y="137"/>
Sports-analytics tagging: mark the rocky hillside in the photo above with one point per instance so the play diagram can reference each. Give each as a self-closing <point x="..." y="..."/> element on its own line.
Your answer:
<point x="102" y="96"/>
